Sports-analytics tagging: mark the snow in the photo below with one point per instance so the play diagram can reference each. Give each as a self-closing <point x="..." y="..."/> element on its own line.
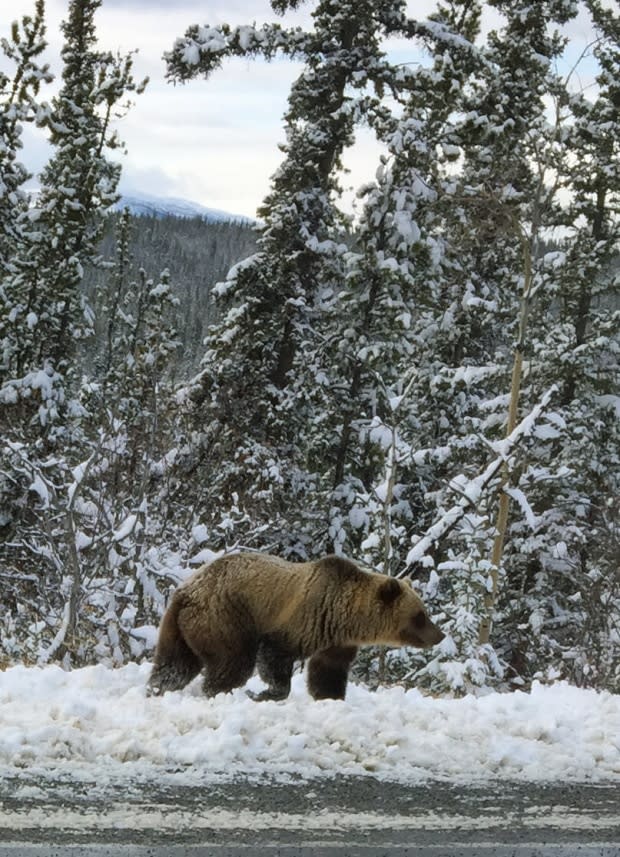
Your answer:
<point x="147" y="816"/>
<point x="358" y="517"/>
<point x="59" y="723"/>
<point x="200" y="534"/>
<point x="528" y="513"/>
<point x="148" y="633"/>
<point x="206" y="555"/>
<point x="82" y="540"/>
<point x="126" y="528"/>
<point x="406" y="226"/>
<point x="610" y="401"/>
<point x="39" y="487"/>
<point x="191" y="54"/>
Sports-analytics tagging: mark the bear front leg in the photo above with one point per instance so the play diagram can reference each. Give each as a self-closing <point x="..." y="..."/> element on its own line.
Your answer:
<point x="328" y="672"/>
<point x="275" y="667"/>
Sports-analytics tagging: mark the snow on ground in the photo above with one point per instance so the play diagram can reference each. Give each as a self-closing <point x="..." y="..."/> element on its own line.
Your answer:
<point x="55" y="723"/>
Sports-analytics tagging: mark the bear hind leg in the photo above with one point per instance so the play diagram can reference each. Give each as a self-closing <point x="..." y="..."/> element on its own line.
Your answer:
<point x="224" y="672"/>
<point x="275" y="667"/>
<point x="328" y="672"/>
<point x="175" y="664"/>
<point x="173" y="675"/>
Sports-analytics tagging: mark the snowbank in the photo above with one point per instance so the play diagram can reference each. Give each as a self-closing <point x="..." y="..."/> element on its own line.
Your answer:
<point x="63" y="723"/>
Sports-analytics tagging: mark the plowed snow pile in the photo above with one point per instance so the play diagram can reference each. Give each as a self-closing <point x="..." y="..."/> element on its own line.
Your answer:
<point x="57" y="723"/>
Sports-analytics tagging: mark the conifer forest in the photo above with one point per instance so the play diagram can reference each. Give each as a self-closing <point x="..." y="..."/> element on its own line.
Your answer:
<point x="429" y="387"/>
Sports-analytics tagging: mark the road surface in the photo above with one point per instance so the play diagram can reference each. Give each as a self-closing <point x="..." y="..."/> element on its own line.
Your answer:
<point x="346" y="817"/>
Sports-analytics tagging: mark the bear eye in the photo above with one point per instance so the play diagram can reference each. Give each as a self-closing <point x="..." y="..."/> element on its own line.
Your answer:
<point x="420" y="620"/>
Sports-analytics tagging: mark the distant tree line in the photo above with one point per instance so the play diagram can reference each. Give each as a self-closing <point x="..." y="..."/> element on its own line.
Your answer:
<point x="197" y="253"/>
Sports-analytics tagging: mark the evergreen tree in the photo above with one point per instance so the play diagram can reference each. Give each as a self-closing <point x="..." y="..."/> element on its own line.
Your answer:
<point x="18" y="105"/>
<point x="505" y="196"/>
<point x="77" y="186"/>
<point x="562" y="557"/>
<point x="47" y="454"/>
<point x="388" y="318"/>
<point x="261" y="385"/>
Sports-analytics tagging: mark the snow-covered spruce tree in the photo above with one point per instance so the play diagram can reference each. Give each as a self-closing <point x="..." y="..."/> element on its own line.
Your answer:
<point x="449" y="360"/>
<point x="506" y="198"/>
<point x="137" y="385"/>
<point x="18" y="105"/>
<point x="261" y="393"/>
<point x="392" y="295"/>
<point x="489" y="213"/>
<point x="513" y="170"/>
<point x="46" y="451"/>
<point x="121" y="520"/>
<point x="77" y="186"/>
<point x="509" y="193"/>
<point x="563" y="585"/>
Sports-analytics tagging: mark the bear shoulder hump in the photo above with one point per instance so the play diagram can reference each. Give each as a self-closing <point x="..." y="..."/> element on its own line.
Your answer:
<point x="341" y="568"/>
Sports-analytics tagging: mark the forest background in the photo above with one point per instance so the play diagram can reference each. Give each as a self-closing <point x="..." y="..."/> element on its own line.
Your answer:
<point x="430" y="388"/>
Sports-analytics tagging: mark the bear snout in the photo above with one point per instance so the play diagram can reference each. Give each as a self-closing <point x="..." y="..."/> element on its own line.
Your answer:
<point x="435" y="634"/>
<point x="422" y="633"/>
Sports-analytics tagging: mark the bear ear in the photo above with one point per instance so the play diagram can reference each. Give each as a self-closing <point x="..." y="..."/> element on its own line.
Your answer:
<point x="390" y="590"/>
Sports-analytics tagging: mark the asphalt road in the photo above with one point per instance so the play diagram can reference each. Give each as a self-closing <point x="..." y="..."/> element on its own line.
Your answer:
<point x="310" y="850"/>
<point x="323" y="818"/>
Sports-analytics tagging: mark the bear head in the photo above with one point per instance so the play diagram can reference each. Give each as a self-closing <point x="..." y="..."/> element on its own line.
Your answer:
<point x="405" y="617"/>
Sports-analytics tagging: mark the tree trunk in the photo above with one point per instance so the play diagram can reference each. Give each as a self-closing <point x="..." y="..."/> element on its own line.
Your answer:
<point x="484" y="633"/>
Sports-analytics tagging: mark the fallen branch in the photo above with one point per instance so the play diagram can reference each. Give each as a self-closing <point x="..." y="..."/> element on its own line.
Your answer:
<point x="472" y="491"/>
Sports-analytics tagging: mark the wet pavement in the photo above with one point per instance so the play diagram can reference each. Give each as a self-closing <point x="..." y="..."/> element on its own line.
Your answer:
<point x="41" y="817"/>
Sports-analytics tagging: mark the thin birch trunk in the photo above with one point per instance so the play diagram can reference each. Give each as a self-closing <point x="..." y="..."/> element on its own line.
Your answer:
<point x="391" y="473"/>
<point x="501" y="525"/>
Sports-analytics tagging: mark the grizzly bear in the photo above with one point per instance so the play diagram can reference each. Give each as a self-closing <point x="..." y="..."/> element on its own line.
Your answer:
<point x="246" y="610"/>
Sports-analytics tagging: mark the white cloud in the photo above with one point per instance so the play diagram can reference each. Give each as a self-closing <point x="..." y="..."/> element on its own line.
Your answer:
<point x="216" y="141"/>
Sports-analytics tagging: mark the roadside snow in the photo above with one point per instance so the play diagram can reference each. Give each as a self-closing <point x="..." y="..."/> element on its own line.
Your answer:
<point x="57" y="723"/>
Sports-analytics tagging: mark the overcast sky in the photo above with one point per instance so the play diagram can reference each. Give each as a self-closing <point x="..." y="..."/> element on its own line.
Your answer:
<point x="214" y="142"/>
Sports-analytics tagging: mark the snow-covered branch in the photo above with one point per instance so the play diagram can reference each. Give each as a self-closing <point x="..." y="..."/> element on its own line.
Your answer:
<point x="202" y="49"/>
<point x="472" y="491"/>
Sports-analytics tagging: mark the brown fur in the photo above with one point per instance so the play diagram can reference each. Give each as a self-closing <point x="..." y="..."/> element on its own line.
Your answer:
<point x="247" y="610"/>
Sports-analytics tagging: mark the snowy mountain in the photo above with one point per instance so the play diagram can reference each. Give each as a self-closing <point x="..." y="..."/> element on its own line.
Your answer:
<point x="165" y="206"/>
